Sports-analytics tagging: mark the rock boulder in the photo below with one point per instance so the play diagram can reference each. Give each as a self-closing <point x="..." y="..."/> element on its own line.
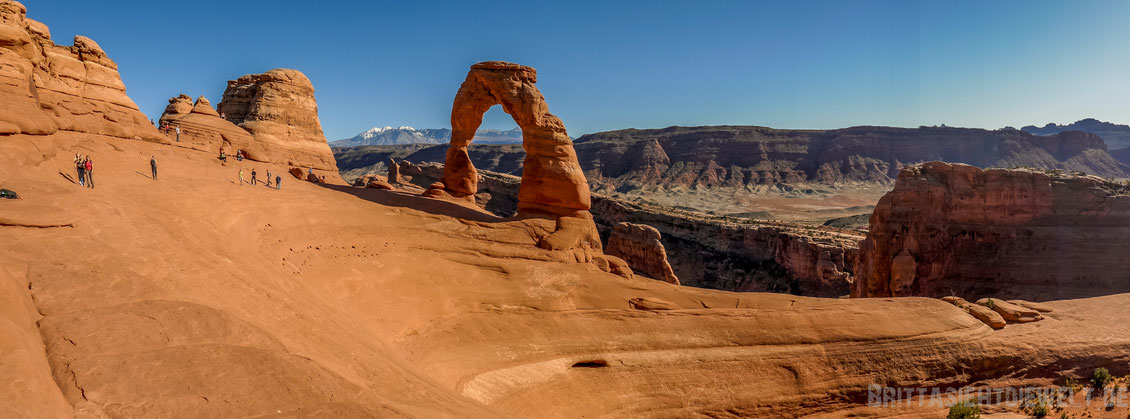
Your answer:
<point x="639" y="245"/>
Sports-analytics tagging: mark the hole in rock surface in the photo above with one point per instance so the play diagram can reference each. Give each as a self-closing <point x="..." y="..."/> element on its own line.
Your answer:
<point x="591" y="364"/>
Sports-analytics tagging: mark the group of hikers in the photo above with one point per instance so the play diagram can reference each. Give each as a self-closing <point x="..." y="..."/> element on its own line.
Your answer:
<point x="255" y="180"/>
<point x="224" y="157"/>
<point x="166" y="128"/>
<point x="85" y="167"/>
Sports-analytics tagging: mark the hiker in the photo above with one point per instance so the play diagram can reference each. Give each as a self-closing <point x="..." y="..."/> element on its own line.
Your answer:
<point x="268" y="178"/>
<point x="239" y="154"/>
<point x="178" y="133"/>
<point x="153" y="165"/>
<point x="223" y="157"/>
<point x="278" y="181"/>
<point x="253" y="181"/>
<point x="81" y="169"/>
<point x="88" y="166"/>
<point x="240" y="177"/>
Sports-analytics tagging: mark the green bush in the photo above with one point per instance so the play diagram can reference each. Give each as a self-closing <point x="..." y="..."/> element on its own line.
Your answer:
<point x="1040" y="410"/>
<point x="965" y="410"/>
<point x="1100" y="378"/>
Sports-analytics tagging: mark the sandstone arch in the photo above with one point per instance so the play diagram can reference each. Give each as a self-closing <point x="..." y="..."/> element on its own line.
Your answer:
<point x="552" y="180"/>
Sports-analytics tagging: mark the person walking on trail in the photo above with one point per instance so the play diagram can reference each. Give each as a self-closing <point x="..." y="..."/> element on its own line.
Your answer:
<point x="88" y="166"/>
<point x="178" y="133"/>
<point x="268" y="178"/>
<point x="253" y="181"/>
<point x="278" y="181"/>
<point x="80" y="167"/>
<point x="153" y="165"/>
<point x="240" y="177"/>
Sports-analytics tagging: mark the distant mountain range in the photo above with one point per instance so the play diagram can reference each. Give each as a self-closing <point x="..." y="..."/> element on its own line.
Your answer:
<point x="408" y="135"/>
<point x="1115" y="136"/>
<point x="760" y="159"/>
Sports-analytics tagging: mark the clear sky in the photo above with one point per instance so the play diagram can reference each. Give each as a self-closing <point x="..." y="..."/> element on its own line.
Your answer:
<point x="645" y="64"/>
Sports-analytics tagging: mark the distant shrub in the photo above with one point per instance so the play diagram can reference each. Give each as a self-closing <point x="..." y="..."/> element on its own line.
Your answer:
<point x="965" y="410"/>
<point x="1040" y="410"/>
<point x="1100" y="378"/>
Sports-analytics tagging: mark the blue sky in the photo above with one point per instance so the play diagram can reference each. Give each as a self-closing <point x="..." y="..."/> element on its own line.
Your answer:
<point x="636" y="64"/>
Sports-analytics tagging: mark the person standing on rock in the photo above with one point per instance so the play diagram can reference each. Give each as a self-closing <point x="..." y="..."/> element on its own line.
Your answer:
<point x="153" y="165"/>
<point x="81" y="169"/>
<point x="253" y="181"/>
<point x="268" y="178"/>
<point x="88" y="166"/>
<point x="278" y="182"/>
<point x="178" y="133"/>
<point x="240" y="177"/>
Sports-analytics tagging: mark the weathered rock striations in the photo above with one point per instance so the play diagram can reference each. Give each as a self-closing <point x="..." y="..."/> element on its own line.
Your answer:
<point x="47" y="88"/>
<point x="639" y="245"/>
<point x="201" y="128"/>
<point x="956" y="229"/>
<point x="279" y="110"/>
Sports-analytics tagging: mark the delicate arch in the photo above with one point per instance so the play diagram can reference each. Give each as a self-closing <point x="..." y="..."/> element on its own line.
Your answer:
<point x="552" y="179"/>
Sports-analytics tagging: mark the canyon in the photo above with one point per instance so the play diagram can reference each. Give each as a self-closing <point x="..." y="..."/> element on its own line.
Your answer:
<point x="806" y="176"/>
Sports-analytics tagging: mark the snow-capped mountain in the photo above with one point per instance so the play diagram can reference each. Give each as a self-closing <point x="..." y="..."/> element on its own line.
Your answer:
<point x="408" y="135"/>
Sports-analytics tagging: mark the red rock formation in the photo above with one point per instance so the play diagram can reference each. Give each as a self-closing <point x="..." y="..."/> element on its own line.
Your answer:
<point x="178" y="106"/>
<point x="952" y="228"/>
<point x="552" y="180"/>
<point x="393" y="171"/>
<point x="46" y="87"/>
<point x="639" y="245"/>
<point x="202" y="129"/>
<point x="551" y="176"/>
<point x="1010" y="312"/>
<point x="984" y="314"/>
<point x="279" y="110"/>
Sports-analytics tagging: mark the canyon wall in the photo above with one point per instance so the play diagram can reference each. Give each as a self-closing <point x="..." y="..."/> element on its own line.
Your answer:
<point x="759" y="159"/>
<point x="953" y="229"/>
<point x="742" y="255"/>
<point x="278" y="109"/>
<point x="706" y="252"/>
<point x="47" y="88"/>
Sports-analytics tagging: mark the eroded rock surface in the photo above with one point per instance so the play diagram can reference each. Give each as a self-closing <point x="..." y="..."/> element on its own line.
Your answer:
<point x="952" y="228"/>
<point x="46" y="88"/>
<point x="639" y="245"/>
<point x="278" y="109"/>
<point x="201" y="128"/>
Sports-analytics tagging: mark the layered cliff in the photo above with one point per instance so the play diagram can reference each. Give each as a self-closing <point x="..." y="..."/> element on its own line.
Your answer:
<point x="956" y="229"/>
<point x="47" y="87"/>
<point x="759" y="159"/>
<point x="279" y="110"/>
